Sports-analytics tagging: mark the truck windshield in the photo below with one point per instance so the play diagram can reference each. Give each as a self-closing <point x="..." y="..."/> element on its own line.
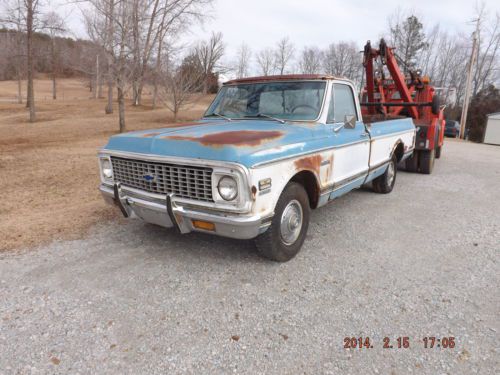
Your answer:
<point x="295" y="101"/>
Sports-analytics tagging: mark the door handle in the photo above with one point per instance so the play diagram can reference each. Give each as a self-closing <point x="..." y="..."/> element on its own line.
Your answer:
<point x="362" y="135"/>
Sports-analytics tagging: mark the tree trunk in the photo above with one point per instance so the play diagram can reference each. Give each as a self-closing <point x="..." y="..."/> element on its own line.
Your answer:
<point x="139" y="94"/>
<point x="109" y="106"/>
<point x="99" y="92"/>
<point x="109" y="42"/>
<point x="19" y="89"/>
<point x="155" y="92"/>
<point x="121" y="108"/>
<point x="54" y="85"/>
<point x="205" y="85"/>
<point x="96" y="87"/>
<point x="134" y="93"/>
<point x="29" y="32"/>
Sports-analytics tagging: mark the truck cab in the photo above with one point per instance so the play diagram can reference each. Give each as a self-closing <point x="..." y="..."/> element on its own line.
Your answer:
<point x="267" y="151"/>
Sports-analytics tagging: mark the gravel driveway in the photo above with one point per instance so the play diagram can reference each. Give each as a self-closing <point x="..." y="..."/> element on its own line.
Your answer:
<point x="135" y="298"/>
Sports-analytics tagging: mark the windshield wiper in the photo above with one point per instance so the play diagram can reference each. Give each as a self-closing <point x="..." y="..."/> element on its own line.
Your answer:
<point x="219" y="115"/>
<point x="269" y="117"/>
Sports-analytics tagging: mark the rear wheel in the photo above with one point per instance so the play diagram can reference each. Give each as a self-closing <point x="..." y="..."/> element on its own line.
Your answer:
<point x="284" y="238"/>
<point x="384" y="184"/>
<point x="427" y="161"/>
<point x="412" y="162"/>
<point x="436" y="142"/>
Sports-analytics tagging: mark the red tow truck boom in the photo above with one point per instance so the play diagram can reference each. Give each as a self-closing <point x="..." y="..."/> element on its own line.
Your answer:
<point x="399" y="95"/>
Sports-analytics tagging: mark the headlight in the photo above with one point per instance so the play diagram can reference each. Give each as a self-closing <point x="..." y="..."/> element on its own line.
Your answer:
<point x="107" y="170"/>
<point x="228" y="188"/>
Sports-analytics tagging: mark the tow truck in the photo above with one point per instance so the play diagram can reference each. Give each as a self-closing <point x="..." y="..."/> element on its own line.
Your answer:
<point x="399" y="95"/>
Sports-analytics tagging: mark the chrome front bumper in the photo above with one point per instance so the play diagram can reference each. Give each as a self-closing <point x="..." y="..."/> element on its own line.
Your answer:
<point x="166" y="212"/>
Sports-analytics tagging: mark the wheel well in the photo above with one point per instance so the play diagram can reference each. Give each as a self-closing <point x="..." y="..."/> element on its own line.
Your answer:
<point x="399" y="151"/>
<point x="308" y="180"/>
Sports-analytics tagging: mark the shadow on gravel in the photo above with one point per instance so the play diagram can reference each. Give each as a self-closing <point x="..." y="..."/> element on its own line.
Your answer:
<point x="165" y="244"/>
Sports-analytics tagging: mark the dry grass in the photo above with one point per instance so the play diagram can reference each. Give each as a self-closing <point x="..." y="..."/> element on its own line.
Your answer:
<point x="48" y="170"/>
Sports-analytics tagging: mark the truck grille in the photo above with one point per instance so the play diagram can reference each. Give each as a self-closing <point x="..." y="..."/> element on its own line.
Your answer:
<point x="161" y="178"/>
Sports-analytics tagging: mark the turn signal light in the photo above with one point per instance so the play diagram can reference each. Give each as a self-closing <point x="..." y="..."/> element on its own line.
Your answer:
<point x="205" y="225"/>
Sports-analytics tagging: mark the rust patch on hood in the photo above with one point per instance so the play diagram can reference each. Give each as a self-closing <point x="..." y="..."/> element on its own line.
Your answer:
<point x="231" y="138"/>
<point x="310" y="163"/>
<point x="150" y="135"/>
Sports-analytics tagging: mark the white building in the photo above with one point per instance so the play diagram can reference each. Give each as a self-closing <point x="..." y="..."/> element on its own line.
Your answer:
<point x="492" y="132"/>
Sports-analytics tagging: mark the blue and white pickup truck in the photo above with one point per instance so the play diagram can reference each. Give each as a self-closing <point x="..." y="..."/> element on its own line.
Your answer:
<point x="267" y="151"/>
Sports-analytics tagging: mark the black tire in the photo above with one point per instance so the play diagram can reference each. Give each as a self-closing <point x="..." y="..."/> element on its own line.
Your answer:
<point x="412" y="162"/>
<point x="271" y="244"/>
<point x="435" y="105"/>
<point x="438" y="152"/>
<point x="385" y="183"/>
<point x="427" y="161"/>
<point x="436" y="143"/>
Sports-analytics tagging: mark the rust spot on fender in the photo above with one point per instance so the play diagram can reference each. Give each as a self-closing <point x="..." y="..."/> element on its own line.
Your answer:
<point x="254" y="192"/>
<point x="329" y="170"/>
<point x="232" y="138"/>
<point x="310" y="163"/>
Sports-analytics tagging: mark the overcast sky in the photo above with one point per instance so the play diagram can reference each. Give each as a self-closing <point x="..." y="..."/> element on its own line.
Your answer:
<point x="260" y="23"/>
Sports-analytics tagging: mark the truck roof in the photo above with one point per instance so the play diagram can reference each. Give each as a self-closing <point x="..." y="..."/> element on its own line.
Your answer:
<point x="284" y="77"/>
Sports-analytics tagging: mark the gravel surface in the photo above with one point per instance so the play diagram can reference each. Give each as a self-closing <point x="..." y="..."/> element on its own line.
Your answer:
<point x="135" y="298"/>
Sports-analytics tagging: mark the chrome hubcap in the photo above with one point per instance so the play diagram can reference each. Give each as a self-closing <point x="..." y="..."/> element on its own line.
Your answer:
<point x="291" y="222"/>
<point x="390" y="174"/>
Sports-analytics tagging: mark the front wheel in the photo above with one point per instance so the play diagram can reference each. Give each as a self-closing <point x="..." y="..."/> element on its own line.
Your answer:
<point x="284" y="238"/>
<point x="385" y="183"/>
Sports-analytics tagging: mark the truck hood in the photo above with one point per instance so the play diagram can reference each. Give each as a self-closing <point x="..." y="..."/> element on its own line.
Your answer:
<point x="247" y="142"/>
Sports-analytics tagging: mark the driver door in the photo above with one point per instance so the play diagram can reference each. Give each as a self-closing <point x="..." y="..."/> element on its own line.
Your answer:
<point x="351" y="145"/>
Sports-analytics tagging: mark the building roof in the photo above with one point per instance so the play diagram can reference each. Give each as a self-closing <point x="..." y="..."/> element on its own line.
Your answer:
<point x="284" y="77"/>
<point x="494" y="114"/>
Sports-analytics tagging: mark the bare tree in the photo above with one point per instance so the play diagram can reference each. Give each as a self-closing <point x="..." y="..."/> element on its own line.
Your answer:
<point x="343" y="59"/>
<point x="23" y="14"/>
<point x="131" y="32"/>
<point x="243" y="63"/>
<point x="265" y="61"/>
<point x="153" y="20"/>
<point x="180" y="87"/>
<point x="488" y="53"/>
<point x="284" y="54"/>
<point x="112" y="21"/>
<point x="209" y="54"/>
<point x="14" y="15"/>
<point x="163" y="62"/>
<point x="31" y="7"/>
<point x="54" y="24"/>
<point x="408" y="37"/>
<point x="311" y="60"/>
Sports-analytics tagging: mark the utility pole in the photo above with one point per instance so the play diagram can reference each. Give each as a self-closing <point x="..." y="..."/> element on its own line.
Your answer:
<point x="465" y="107"/>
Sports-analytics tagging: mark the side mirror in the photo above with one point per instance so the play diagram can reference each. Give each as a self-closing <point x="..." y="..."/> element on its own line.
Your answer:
<point x="349" y="121"/>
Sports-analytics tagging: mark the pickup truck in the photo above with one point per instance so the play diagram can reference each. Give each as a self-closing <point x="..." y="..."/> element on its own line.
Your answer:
<point x="267" y="151"/>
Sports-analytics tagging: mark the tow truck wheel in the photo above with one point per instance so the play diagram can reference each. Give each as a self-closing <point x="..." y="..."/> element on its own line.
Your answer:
<point x="436" y="142"/>
<point x="412" y="162"/>
<point x="438" y="152"/>
<point x="384" y="184"/>
<point x="284" y="238"/>
<point x="427" y="161"/>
